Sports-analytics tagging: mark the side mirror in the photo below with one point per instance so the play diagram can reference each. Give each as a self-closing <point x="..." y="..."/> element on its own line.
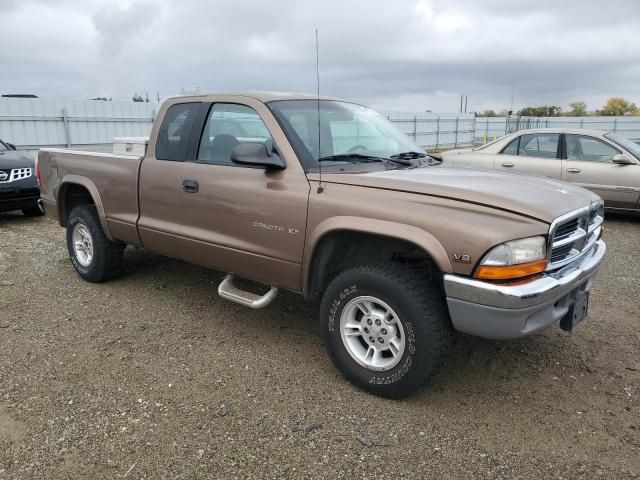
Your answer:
<point x="11" y="145"/>
<point x="622" y="159"/>
<point x="256" y="154"/>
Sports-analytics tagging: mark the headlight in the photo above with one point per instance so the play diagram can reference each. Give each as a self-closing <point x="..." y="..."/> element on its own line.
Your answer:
<point x="514" y="259"/>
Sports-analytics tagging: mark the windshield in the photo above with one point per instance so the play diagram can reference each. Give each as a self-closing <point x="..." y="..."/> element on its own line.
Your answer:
<point x="349" y="133"/>
<point x="3" y="147"/>
<point x="625" y="143"/>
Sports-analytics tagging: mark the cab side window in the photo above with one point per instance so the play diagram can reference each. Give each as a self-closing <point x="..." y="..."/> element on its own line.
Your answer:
<point x="173" y="136"/>
<point x="227" y="126"/>
<point x="590" y="149"/>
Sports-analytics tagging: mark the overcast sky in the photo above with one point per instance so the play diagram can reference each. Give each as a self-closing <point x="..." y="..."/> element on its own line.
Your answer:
<point x="394" y="55"/>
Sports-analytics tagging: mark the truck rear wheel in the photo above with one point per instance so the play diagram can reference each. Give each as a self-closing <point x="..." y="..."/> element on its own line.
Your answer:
<point x="92" y="254"/>
<point x="386" y="329"/>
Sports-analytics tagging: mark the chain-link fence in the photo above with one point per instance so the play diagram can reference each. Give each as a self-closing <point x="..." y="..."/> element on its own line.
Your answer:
<point x="488" y="128"/>
<point x="31" y="124"/>
<point x="435" y="131"/>
<point x="91" y="125"/>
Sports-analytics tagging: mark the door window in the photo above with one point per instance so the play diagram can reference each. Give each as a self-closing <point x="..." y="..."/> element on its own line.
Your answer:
<point x="539" y="145"/>
<point x="173" y="137"/>
<point x="228" y="125"/>
<point x="590" y="149"/>
<point x="512" y="148"/>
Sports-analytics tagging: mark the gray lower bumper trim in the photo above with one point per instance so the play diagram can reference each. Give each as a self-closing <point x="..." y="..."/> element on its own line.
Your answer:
<point x="503" y="311"/>
<point x="550" y="286"/>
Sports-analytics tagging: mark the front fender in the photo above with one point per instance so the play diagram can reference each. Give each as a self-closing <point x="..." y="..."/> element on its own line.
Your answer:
<point x="408" y="233"/>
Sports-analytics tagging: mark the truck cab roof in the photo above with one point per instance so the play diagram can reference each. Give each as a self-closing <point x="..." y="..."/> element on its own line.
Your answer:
<point x="258" y="95"/>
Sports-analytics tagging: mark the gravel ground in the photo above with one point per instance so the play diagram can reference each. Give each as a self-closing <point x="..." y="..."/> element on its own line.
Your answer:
<point x="153" y="376"/>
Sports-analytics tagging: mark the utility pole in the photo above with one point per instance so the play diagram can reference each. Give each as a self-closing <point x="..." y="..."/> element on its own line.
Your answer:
<point x="466" y="98"/>
<point x="461" y="95"/>
<point x="511" y="108"/>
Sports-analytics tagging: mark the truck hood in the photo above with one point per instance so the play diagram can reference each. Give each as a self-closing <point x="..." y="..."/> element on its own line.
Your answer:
<point x="534" y="196"/>
<point x="15" y="159"/>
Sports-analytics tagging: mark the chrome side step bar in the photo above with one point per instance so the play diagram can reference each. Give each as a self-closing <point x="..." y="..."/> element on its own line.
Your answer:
<point x="229" y="291"/>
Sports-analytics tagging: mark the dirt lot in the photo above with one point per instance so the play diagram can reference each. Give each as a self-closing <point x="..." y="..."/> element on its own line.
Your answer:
<point x="154" y="376"/>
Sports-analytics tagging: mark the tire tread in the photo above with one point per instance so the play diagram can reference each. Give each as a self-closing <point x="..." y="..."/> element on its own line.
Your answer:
<point x="108" y="255"/>
<point x="431" y="302"/>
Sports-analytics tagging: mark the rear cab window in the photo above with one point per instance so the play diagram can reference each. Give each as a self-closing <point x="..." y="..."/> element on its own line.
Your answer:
<point x="174" y="134"/>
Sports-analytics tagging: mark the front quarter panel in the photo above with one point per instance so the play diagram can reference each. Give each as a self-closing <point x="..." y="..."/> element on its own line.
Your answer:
<point x="455" y="234"/>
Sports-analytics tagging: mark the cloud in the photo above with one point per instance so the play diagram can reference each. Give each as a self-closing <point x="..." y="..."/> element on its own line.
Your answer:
<point x="404" y="54"/>
<point x="119" y="26"/>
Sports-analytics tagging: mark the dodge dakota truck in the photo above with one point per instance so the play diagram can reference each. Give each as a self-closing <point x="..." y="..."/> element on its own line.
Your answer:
<point x="328" y="199"/>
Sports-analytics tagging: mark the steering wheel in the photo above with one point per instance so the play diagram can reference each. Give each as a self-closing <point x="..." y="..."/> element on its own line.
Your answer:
<point x="357" y="147"/>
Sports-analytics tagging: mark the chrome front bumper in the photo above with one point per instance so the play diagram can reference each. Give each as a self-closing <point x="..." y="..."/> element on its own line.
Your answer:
<point x="510" y="311"/>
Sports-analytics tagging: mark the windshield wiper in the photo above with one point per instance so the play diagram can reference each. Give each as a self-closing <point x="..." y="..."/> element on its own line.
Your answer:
<point x="350" y="157"/>
<point x="409" y="155"/>
<point x="361" y="158"/>
<point x="416" y="155"/>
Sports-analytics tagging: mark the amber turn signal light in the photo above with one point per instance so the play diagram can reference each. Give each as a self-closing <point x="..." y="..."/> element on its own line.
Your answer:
<point x="508" y="272"/>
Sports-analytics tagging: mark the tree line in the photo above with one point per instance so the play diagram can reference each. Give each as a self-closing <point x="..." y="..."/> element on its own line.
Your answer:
<point x="615" y="107"/>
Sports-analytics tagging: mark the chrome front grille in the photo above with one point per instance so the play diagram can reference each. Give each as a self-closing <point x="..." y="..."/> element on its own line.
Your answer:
<point x="560" y="253"/>
<point x="566" y="229"/>
<point x="15" y="174"/>
<point x="574" y="234"/>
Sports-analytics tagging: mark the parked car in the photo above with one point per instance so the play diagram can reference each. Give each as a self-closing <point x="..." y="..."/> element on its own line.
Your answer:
<point x="603" y="162"/>
<point x="18" y="185"/>
<point x="402" y="250"/>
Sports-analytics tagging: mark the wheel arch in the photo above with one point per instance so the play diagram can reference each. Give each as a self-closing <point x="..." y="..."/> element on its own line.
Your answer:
<point x="75" y="190"/>
<point x="321" y="245"/>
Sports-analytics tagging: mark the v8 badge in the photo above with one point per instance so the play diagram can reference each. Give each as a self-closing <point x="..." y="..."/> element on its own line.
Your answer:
<point x="461" y="258"/>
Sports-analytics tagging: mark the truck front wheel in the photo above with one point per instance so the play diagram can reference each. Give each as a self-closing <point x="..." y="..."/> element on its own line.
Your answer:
<point x="92" y="254"/>
<point x="386" y="328"/>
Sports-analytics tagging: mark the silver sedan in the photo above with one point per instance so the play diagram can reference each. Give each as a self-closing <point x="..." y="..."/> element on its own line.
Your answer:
<point x="603" y="162"/>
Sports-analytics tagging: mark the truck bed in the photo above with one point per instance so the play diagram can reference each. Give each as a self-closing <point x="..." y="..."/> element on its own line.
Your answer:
<point x="112" y="179"/>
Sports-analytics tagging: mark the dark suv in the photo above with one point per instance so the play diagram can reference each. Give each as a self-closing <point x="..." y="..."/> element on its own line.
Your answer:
<point x="18" y="184"/>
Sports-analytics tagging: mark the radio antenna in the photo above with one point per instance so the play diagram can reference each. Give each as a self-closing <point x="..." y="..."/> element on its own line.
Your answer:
<point x="320" y="186"/>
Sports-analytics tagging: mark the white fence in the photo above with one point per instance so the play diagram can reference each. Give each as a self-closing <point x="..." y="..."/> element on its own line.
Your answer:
<point x="34" y="123"/>
<point x="432" y="130"/>
<point x="91" y="124"/>
<point x="490" y="127"/>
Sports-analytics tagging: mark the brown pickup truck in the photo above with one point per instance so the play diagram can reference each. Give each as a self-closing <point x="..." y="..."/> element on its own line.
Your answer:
<point x="328" y="199"/>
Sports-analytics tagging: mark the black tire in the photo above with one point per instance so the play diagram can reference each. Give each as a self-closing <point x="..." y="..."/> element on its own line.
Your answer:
<point x="420" y="308"/>
<point x="32" y="211"/>
<point x="107" y="255"/>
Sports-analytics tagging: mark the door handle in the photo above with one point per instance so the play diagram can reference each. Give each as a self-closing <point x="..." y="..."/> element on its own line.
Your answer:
<point x="507" y="164"/>
<point x="573" y="170"/>
<point x="190" y="186"/>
